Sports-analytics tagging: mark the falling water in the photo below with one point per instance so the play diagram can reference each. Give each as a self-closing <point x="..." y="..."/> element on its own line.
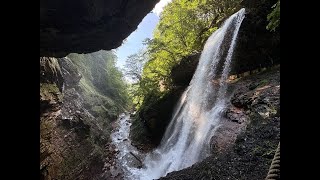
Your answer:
<point x="197" y="114"/>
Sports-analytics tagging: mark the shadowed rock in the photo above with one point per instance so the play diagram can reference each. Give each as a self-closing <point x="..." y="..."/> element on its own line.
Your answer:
<point x="83" y="26"/>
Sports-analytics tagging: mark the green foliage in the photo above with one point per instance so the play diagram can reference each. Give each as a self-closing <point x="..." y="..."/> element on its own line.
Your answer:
<point x="134" y="65"/>
<point x="50" y="91"/>
<point x="274" y="17"/>
<point x="133" y="72"/>
<point x="183" y="28"/>
<point x="102" y="84"/>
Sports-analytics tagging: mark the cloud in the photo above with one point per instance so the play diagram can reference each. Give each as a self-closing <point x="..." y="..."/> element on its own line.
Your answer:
<point x="159" y="6"/>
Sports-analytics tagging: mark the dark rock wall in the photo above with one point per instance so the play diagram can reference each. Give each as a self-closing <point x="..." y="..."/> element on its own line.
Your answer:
<point x="256" y="46"/>
<point x="182" y="73"/>
<point x="51" y="83"/>
<point x="72" y="144"/>
<point x="157" y="116"/>
<point x="50" y="71"/>
<point x="83" y="26"/>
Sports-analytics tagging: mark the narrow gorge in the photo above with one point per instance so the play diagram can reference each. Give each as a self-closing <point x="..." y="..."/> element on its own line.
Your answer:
<point x="192" y="93"/>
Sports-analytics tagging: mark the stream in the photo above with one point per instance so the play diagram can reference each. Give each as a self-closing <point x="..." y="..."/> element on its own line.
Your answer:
<point x="120" y="138"/>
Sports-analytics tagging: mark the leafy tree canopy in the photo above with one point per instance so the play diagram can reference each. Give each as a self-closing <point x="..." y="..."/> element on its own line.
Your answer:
<point x="182" y="30"/>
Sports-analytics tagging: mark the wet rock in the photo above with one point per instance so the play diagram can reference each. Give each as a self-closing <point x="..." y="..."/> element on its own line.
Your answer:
<point x="110" y="149"/>
<point x="182" y="73"/>
<point x="114" y="171"/>
<point x="70" y="73"/>
<point x="236" y="115"/>
<point x="108" y="165"/>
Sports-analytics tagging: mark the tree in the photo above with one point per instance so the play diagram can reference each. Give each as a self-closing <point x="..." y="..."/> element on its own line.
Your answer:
<point x="101" y="78"/>
<point x="274" y="17"/>
<point x="134" y="66"/>
<point x="183" y="29"/>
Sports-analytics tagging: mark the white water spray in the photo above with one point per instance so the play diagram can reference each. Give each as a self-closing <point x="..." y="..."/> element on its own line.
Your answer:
<point x="198" y="112"/>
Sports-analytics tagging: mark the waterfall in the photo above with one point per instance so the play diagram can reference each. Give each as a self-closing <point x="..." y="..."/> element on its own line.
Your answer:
<point x="197" y="114"/>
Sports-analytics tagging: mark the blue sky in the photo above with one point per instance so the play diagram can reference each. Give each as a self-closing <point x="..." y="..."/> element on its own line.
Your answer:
<point x="145" y="30"/>
<point x="134" y="42"/>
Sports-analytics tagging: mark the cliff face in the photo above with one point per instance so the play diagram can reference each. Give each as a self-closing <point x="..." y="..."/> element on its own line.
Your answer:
<point x="256" y="46"/>
<point x="51" y="83"/>
<point x="74" y="132"/>
<point x="182" y="73"/>
<point x="74" y="144"/>
<point x="83" y="26"/>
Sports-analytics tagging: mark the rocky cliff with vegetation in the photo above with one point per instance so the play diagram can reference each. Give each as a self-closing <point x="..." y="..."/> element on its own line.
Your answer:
<point x="80" y="97"/>
<point x="257" y="48"/>
<point x="82" y="94"/>
<point x="245" y="143"/>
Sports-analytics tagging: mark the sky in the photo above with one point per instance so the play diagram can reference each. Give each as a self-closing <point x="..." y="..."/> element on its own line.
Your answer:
<point x="145" y="29"/>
